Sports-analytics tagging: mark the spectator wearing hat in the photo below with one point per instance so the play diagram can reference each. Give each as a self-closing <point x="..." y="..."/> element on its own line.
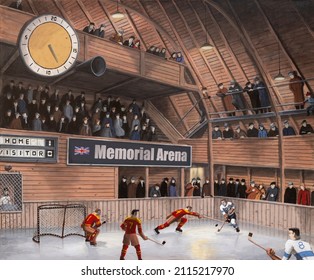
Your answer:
<point x="129" y="42"/>
<point x="263" y="94"/>
<point x="226" y="99"/>
<point x="118" y="37"/>
<point x="16" y="122"/>
<point x="137" y="44"/>
<point x="100" y="32"/>
<point x="206" y="191"/>
<point x="172" y="187"/>
<point x="236" y="187"/>
<point x="151" y="49"/>
<point x="90" y="29"/>
<point x="37" y="123"/>
<point x="309" y="99"/>
<point x="304" y="196"/>
<point x="231" y="192"/>
<point x="261" y="192"/>
<point x="239" y="133"/>
<point x="287" y="130"/>
<point x="306" y="128"/>
<point x="180" y="57"/>
<point x="253" y="95"/>
<point x="85" y="128"/>
<point x="242" y="189"/>
<point x="262" y="133"/>
<point x="238" y="100"/>
<point x="197" y="187"/>
<point x="272" y="192"/>
<point x="123" y="188"/>
<point x="189" y="188"/>
<point x="132" y="187"/>
<point x="252" y="191"/>
<point x="17" y="4"/>
<point x="216" y="187"/>
<point x="141" y="188"/>
<point x="252" y="131"/>
<point x="164" y="187"/>
<point x="135" y="133"/>
<point x="290" y="195"/>
<point x="273" y="130"/>
<point x="8" y="117"/>
<point x="216" y="133"/>
<point x="155" y="191"/>
<point x="228" y="132"/>
<point x="222" y="191"/>
<point x="296" y="85"/>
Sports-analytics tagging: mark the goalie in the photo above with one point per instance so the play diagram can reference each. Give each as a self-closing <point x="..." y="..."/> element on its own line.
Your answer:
<point x="90" y="225"/>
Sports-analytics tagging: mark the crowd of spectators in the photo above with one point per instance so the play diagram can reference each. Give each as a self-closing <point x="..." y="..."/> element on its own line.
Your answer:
<point x="40" y="110"/>
<point x="261" y="132"/>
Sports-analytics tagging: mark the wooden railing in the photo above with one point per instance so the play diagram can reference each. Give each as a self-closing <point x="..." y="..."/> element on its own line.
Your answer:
<point x="275" y="215"/>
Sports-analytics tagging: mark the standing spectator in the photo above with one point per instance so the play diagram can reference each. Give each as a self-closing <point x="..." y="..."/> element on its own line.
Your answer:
<point x="136" y="110"/>
<point x="51" y="124"/>
<point x="68" y="111"/>
<point x="252" y="131"/>
<point x="304" y="196"/>
<point x="57" y="114"/>
<point x="7" y="102"/>
<point x="100" y="32"/>
<point x="152" y="135"/>
<point x="206" y="188"/>
<point x="62" y="126"/>
<point x="228" y="132"/>
<point x="132" y="188"/>
<point x="125" y="125"/>
<point x="137" y="44"/>
<point x="135" y="134"/>
<point x="123" y="188"/>
<point x="290" y="195"/>
<point x="180" y="57"/>
<point x="226" y="99"/>
<point x="288" y="130"/>
<point x="155" y="191"/>
<point x="163" y="53"/>
<point x="141" y="188"/>
<point x="273" y="131"/>
<point x="197" y="187"/>
<point x="189" y="188"/>
<point x="96" y="128"/>
<point x="236" y="92"/>
<point x="310" y="100"/>
<point x="164" y="187"/>
<point x="252" y="191"/>
<point x="222" y="188"/>
<point x="173" y="56"/>
<point x="172" y="188"/>
<point x="79" y="99"/>
<point x="239" y="133"/>
<point x="216" y="187"/>
<point x="85" y="128"/>
<point x="242" y="189"/>
<point x="8" y="117"/>
<point x="296" y="85"/>
<point x="261" y="193"/>
<point x="16" y="122"/>
<point x="21" y="104"/>
<point x="144" y="133"/>
<point x="272" y="192"/>
<point x="157" y="51"/>
<point x="263" y="94"/>
<point x="17" y="5"/>
<point x="19" y="90"/>
<point x="36" y="123"/>
<point x="231" y="188"/>
<point x="262" y="133"/>
<point x="305" y="128"/>
<point x="29" y="94"/>
<point x="129" y="42"/>
<point x="25" y="121"/>
<point x="68" y="96"/>
<point x="106" y="131"/>
<point x="151" y="49"/>
<point x="90" y="29"/>
<point x="236" y="187"/>
<point x="253" y="95"/>
<point x="216" y="133"/>
<point x="74" y="126"/>
<point x="117" y="125"/>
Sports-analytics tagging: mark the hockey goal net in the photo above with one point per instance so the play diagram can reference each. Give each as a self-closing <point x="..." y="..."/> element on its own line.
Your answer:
<point x="59" y="220"/>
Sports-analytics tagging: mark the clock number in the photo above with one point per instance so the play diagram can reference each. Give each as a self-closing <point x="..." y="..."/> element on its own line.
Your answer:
<point x="54" y="18"/>
<point x="26" y="37"/>
<point x="75" y="50"/>
<point x="48" y="72"/>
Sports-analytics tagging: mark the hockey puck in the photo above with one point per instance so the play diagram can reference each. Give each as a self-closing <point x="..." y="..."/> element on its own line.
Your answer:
<point x="216" y="225"/>
<point x="163" y="243"/>
<point x="250" y="234"/>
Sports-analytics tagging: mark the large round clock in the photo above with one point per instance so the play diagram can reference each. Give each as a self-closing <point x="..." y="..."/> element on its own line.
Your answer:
<point x="48" y="45"/>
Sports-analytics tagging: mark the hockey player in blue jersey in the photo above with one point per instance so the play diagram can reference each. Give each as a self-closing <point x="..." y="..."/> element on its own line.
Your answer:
<point x="294" y="246"/>
<point x="227" y="209"/>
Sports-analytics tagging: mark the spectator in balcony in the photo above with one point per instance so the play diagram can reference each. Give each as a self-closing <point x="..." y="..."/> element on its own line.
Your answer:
<point x="37" y="123"/>
<point x="129" y="42"/>
<point x="37" y="93"/>
<point x="44" y="124"/>
<point x="152" y="135"/>
<point x="197" y="187"/>
<point x="162" y="53"/>
<point x="96" y="128"/>
<point x="51" y="124"/>
<point x="251" y="191"/>
<point x="273" y="131"/>
<point x="296" y="85"/>
<point x="172" y="187"/>
<point x="206" y="191"/>
<point x="132" y="186"/>
<point x="135" y="121"/>
<point x="68" y="111"/>
<point x="173" y="56"/>
<point x="141" y="188"/>
<point x="57" y="114"/>
<point x="236" y="92"/>
<point x="125" y="125"/>
<point x="272" y="192"/>
<point x="80" y="99"/>
<point x="144" y="132"/>
<point x="54" y="99"/>
<point x="262" y="133"/>
<point x="253" y="95"/>
<point x="123" y="188"/>
<point x="25" y="121"/>
<point x="16" y="122"/>
<point x="74" y="125"/>
<point x="62" y="126"/>
<point x="164" y="187"/>
<point x="261" y="192"/>
<point x="239" y="133"/>
<point x="68" y="96"/>
<point x="7" y="102"/>
<point x="15" y="108"/>
<point x="226" y="99"/>
<point x="228" y="132"/>
<point x="42" y="108"/>
<point x="231" y="192"/>
<point x="90" y="29"/>
<point x="7" y="119"/>
<point x="263" y="94"/>
<point x="29" y="94"/>
<point x="242" y="189"/>
<point x="135" y="108"/>
<point x="304" y="196"/>
<point x="151" y="50"/>
<point x="106" y="130"/>
<point x="216" y="133"/>
<point x="137" y="45"/>
<point x="45" y="94"/>
<point x="306" y="128"/>
<point x="288" y="130"/>
<point x="135" y="134"/>
<point x="216" y="187"/>
<point x="117" y="125"/>
<point x="189" y="188"/>
<point x="19" y="90"/>
<point x="222" y="188"/>
<point x="108" y="120"/>
<point x="100" y="32"/>
<point x="157" y="51"/>
<point x="252" y="131"/>
<point x="155" y="191"/>
<point x="21" y="104"/>
<point x="310" y="100"/>
<point x="97" y="104"/>
<point x="290" y="195"/>
<point x="180" y="57"/>
<point x="17" y="5"/>
<point x="236" y="187"/>
<point x="118" y="37"/>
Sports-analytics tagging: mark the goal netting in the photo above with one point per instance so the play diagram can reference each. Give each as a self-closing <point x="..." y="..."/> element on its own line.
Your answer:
<point x="59" y="220"/>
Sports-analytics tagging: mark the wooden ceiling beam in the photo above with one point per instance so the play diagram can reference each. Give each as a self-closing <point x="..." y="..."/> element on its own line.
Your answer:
<point x="84" y="10"/>
<point x="104" y="8"/>
<point x="10" y="61"/>
<point x="33" y="7"/>
<point x="119" y="84"/>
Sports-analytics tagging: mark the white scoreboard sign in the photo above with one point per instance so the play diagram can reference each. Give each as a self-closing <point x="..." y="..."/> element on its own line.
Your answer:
<point x="28" y="149"/>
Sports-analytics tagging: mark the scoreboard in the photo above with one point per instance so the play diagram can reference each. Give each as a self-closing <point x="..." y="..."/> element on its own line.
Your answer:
<point x="28" y="148"/>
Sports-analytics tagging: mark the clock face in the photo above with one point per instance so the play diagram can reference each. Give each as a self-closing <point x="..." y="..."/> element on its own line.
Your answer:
<point x="48" y="45"/>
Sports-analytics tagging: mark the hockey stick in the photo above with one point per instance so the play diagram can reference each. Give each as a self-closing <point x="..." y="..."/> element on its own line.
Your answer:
<point x="155" y="241"/>
<point x="250" y="239"/>
<point x="221" y="226"/>
<point x="207" y="217"/>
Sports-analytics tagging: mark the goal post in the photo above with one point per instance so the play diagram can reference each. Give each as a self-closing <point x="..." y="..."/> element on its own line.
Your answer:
<point x="59" y="220"/>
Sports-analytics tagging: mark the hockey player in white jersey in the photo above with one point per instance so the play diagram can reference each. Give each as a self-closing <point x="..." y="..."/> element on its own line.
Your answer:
<point x="294" y="246"/>
<point x="227" y="209"/>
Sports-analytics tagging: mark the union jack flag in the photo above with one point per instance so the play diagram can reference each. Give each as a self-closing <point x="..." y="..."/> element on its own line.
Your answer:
<point x="81" y="151"/>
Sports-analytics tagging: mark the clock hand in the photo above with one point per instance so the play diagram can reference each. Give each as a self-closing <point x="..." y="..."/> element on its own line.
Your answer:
<point x="53" y="52"/>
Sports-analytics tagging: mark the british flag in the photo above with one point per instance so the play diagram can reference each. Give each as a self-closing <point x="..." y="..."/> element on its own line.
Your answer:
<point x="81" y="151"/>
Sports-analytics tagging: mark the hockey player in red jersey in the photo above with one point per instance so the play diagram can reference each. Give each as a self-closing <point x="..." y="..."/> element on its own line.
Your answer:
<point x="129" y="225"/>
<point x="178" y="216"/>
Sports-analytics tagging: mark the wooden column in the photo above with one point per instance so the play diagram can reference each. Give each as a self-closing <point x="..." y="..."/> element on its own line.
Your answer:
<point x="182" y="173"/>
<point x="210" y="157"/>
<point x="146" y="181"/>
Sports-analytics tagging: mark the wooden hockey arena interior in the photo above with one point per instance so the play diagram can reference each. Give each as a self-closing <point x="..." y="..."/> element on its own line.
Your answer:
<point x="247" y="36"/>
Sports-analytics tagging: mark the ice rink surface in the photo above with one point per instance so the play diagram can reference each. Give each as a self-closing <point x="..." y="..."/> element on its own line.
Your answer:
<point x="200" y="240"/>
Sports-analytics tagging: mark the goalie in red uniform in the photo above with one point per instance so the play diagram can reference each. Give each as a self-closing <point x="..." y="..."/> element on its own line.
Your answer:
<point x="178" y="216"/>
<point x="90" y="226"/>
<point x="129" y="225"/>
